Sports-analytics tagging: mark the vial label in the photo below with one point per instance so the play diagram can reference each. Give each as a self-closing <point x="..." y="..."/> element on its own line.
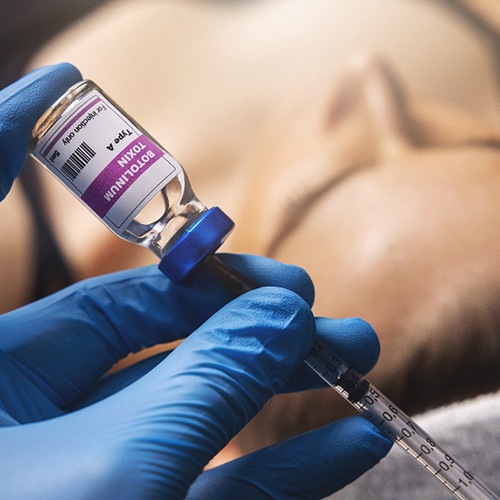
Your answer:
<point x="106" y="161"/>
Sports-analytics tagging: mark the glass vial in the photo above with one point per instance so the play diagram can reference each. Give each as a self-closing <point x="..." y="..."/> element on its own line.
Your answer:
<point x="127" y="179"/>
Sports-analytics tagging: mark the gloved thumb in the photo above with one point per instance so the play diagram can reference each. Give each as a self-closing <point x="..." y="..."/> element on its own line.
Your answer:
<point x="21" y="104"/>
<point x="154" y="437"/>
<point x="196" y="400"/>
<point x="165" y="427"/>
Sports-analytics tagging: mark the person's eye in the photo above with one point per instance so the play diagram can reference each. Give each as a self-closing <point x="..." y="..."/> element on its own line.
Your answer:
<point x="297" y="204"/>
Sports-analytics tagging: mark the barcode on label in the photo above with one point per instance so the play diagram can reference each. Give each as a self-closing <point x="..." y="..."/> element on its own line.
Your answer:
<point x="77" y="161"/>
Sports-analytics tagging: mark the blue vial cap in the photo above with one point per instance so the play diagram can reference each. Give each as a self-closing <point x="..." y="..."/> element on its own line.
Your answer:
<point x="202" y="238"/>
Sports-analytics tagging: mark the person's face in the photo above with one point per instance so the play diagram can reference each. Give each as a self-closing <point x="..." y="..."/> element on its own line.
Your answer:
<point x="398" y="228"/>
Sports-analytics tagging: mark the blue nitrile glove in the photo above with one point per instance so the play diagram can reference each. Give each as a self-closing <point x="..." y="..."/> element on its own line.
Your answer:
<point x="21" y="104"/>
<point x="153" y="437"/>
<point x="149" y="430"/>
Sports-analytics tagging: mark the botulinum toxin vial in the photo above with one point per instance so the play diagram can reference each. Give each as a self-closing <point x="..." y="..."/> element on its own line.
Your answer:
<point x="127" y="179"/>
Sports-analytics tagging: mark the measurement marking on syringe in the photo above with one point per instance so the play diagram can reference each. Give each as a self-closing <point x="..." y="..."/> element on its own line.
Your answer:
<point x="395" y="424"/>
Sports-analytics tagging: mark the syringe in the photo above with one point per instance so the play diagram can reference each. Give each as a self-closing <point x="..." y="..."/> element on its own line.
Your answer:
<point x="377" y="408"/>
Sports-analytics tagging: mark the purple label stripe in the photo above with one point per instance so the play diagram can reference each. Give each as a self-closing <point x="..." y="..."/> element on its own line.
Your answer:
<point x="114" y="180"/>
<point x="48" y="148"/>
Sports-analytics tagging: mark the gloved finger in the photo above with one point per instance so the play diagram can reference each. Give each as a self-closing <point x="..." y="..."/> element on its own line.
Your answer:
<point x="65" y="342"/>
<point x="206" y="390"/>
<point x="21" y="104"/>
<point x="352" y="339"/>
<point x="269" y="274"/>
<point x="310" y="466"/>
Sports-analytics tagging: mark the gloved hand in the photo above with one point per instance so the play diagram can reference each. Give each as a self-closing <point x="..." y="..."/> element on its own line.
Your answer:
<point x="149" y="430"/>
<point x="21" y="104"/>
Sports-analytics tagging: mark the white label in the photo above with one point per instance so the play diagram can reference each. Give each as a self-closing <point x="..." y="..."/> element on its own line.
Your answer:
<point x="106" y="161"/>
